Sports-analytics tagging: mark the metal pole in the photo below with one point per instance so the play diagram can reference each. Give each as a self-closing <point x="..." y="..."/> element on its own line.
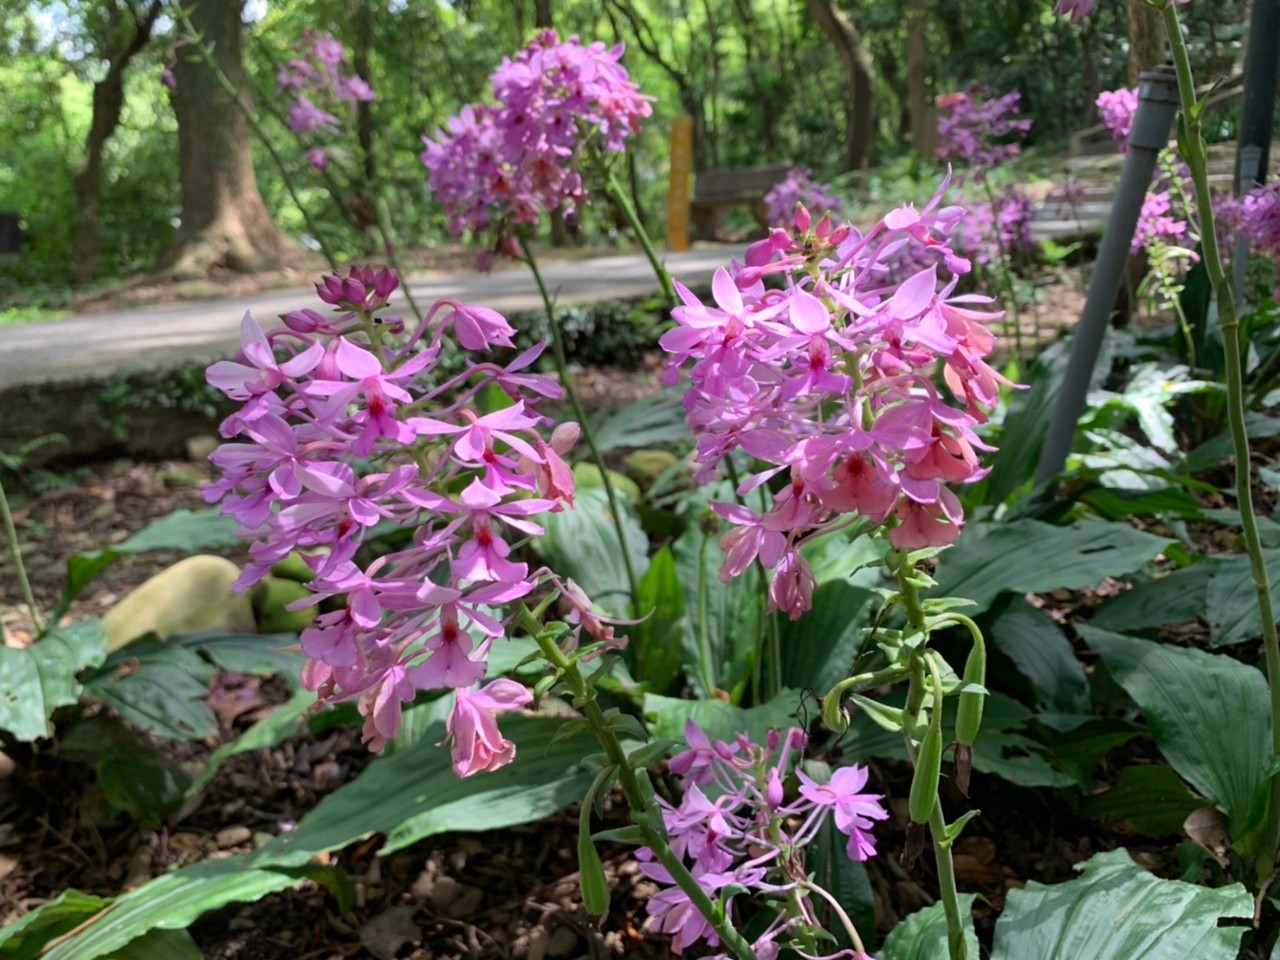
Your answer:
<point x="1261" y="63"/>
<point x="1157" y="106"/>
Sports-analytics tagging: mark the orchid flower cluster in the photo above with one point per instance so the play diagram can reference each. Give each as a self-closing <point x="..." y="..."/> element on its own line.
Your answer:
<point x="972" y="128"/>
<point x="340" y="431"/>
<point x="737" y="831"/>
<point x="826" y="382"/>
<point x="319" y="87"/>
<point x="1157" y="224"/>
<point x="992" y="228"/>
<point x="1256" y="215"/>
<point x="508" y="163"/>
<point x="799" y="187"/>
<point x="1077" y="10"/>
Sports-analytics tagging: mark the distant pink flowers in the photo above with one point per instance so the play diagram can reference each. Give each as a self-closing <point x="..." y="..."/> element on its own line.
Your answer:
<point x="510" y="163"/>
<point x="825" y="382"/>
<point x="1257" y="216"/>
<point x="736" y="829"/>
<point x="979" y="131"/>
<point x="798" y="187"/>
<point x="1079" y="9"/>
<point x="1117" y="109"/>
<point x="346" y="425"/>
<point x="321" y="91"/>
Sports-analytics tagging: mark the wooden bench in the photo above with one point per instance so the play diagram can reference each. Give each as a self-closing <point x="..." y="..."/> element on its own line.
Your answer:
<point x="718" y="190"/>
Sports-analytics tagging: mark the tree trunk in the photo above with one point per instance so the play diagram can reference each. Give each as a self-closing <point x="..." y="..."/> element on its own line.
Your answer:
<point x="224" y="221"/>
<point x="108" y="104"/>
<point x="923" y="126"/>
<point x="1146" y="39"/>
<point x="859" y="82"/>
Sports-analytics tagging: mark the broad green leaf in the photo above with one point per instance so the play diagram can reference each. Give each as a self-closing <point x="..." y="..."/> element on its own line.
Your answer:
<point x="719" y="720"/>
<point x="1117" y="911"/>
<point x="582" y="543"/>
<point x="22" y="939"/>
<point x="188" y="531"/>
<point x="842" y="556"/>
<point x="923" y="935"/>
<point x="157" y="687"/>
<point x="414" y="794"/>
<point x="1212" y="452"/>
<point x="160" y="945"/>
<point x="407" y="796"/>
<point x="1078" y="743"/>
<point x="1027" y="556"/>
<point x="1149" y="799"/>
<point x="724" y="621"/>
<point x="1207" y="712"/>
<point x="36" y="680"/>
<point x="1042" y="653"/>
<point x="133" y="775"/>
<point x="655" y="653"/>
<point x="817" y="650"/>
<point x="1171" y="598"/>
<point x="264" y="654"/>
<point x="1231" y="601"/>
<point x="170" y="902"/>
<point x="650" y="422"/>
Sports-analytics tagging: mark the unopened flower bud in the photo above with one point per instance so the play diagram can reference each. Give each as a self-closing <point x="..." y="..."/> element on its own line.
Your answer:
<point x="803" y="220"/>
<point x="304" y="321"/>
<point x="565" y="436"/>
<point x="773" y="789"/>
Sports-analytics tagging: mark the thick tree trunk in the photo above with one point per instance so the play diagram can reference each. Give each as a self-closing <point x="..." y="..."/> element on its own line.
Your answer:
<point x="923" y="126"/>
<point x="859" y="81"/>
<point x="224" y="221"/>
<point x="1146" y="39"/>
<point x="108" y="104"/>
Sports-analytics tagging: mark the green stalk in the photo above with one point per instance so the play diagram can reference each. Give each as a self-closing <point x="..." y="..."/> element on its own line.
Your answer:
<point x="1006" y="271"/>
<point x="956" y="947"/>
<point x="11" y="534"/>
<point x="644" y="812"/>
<point x="623" y="200"/>
<point x="388" y="245"/>
<point x="562" y="367"/>
<point x="1196" y="159"/>
<point x="230" y="89"/>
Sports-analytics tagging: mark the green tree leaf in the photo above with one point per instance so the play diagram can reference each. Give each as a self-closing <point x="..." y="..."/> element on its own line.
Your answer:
<point x="1146" y="918"/>
<point x="1041" y="652"/>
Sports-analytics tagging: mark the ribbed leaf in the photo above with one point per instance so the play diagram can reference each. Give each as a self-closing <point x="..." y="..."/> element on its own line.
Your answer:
<point x="923" y="935"/>
<point x="36" y="680"/>
<point x="1118" y="911"/>
<point x="1207" y="712"/>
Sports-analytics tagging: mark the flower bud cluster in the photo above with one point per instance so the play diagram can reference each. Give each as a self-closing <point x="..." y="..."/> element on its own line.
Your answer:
<point x="319" y="86"/>
<point x="737" y="831"/>
<point x="508" y="164"/>
<point x="825" y="380"/>
<point x="972" y="128"/>
<point x="341" y="432"/>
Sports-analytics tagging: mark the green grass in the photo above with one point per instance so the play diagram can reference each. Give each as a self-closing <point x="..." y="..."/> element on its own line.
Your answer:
<point x="13" y="316"/>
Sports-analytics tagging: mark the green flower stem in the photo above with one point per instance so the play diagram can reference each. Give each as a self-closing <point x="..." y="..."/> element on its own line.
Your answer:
<point x="11" y="534"/>
<point x="230" y="89"/>
<point x="644" y="813"/>
<point x="1196" y="159"/>
<point x="562" y="367"/>
<point x="623" y="200"/>
<point x="389" y="246"/>
<point x="956" y="947"/>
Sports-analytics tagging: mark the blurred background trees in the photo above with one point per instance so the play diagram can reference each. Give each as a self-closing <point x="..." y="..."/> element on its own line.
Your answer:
<point x="113" y="173"/>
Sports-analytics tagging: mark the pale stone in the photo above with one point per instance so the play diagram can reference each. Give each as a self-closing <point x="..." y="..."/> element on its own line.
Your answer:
<point x="194" y="594"/>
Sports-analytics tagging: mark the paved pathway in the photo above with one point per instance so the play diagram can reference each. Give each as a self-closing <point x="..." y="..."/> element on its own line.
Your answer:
<point x="171" y="335"/>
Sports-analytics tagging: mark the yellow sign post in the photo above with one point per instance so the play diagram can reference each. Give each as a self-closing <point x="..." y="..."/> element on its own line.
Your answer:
<point x="678" y="192"/>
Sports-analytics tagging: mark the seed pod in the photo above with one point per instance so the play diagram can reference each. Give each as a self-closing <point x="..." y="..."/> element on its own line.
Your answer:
<point x="969" y="713"/>
<point x="924" y="784"/>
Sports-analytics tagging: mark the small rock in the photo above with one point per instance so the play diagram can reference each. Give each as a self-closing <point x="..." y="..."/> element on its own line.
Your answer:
<point x="455" y="900"/>
<point x="7" y="766"/>
<point x="384" y="934"/>
<point x="192" y="595"/>
<point x="232" y="837"/>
